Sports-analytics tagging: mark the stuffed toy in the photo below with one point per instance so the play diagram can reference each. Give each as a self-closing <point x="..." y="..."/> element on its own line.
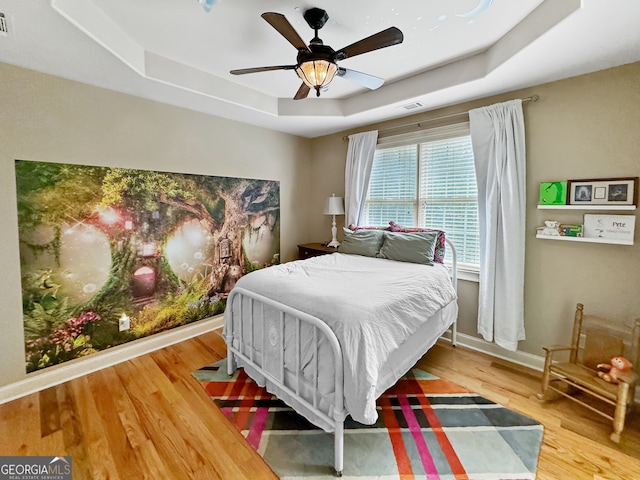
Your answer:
<point x="619" y="369"/>
<point x="551" y="228"/>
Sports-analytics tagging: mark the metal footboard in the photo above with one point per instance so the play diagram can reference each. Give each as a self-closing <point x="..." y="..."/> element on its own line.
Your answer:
<point x="247" y="351"/>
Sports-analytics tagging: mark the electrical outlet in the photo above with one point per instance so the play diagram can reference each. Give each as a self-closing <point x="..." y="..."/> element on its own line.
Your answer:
<point x="124" y="323"/>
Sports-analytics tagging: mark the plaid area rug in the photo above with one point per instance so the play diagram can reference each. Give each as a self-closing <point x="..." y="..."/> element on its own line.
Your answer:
<point x="427" y="428"/>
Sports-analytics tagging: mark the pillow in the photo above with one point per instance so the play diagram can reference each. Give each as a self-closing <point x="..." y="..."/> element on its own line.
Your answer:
<point x="439" y="253"/>
<point x="361" y="242"/>
<point x="367" y="227"/>
<point x="416" y="247"/>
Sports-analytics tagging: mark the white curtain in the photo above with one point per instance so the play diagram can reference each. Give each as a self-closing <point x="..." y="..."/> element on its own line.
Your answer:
<point x="362" y="147"/>
<point x="497" y="135"/>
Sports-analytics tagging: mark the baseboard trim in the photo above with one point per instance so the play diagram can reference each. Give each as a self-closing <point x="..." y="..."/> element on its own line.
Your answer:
<point x="520" y="358"/>
<point x="58" y="374"/>
<point x="63" y="373"/>
<point x="525" y="359"/>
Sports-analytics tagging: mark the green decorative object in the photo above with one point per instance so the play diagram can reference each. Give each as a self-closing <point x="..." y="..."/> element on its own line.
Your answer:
<point x="553" y="193"/>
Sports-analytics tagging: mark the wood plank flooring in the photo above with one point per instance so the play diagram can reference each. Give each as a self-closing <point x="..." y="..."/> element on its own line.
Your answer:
<point x="147" y="418"/>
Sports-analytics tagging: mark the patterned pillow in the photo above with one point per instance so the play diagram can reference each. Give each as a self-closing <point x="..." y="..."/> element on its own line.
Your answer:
<point x="439" y="253"/>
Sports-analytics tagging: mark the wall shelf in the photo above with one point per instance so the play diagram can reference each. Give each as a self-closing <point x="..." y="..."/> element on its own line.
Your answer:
<point x="587" y="207"/>
<point x="585" y="240"/>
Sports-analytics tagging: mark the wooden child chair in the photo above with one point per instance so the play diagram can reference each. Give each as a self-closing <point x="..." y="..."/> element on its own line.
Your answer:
<point x="595" y="340"/>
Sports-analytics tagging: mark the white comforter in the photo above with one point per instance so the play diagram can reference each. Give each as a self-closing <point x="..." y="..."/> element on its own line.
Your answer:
<point x="373" y="305"/>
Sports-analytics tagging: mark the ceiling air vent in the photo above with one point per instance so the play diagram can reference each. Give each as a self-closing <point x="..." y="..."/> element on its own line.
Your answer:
<point x="4" y="27"/>
<point x="412" y="106"/>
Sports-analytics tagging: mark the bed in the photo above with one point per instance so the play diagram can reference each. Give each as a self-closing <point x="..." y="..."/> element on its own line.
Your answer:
<point x="329" y="334"/>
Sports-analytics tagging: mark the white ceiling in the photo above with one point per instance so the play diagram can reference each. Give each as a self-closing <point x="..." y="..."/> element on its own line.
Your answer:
<point x="174" y="52"/>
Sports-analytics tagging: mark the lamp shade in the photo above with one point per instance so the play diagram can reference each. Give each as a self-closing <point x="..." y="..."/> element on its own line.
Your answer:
<point x="333" y="206"/>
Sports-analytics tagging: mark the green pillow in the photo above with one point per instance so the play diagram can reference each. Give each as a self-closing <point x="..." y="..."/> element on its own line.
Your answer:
<point x="361" y="242"/>
<point x="412" y="247"/>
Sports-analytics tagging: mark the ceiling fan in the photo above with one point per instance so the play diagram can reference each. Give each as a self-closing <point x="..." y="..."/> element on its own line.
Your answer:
<point x="317" y="63"/>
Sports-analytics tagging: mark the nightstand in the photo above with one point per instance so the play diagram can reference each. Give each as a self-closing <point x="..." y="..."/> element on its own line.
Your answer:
<point x="308" y="250"/>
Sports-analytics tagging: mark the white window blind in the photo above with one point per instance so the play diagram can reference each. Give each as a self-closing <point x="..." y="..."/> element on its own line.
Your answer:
<point x="393" y="186"/>
<point x="428" y="180"/>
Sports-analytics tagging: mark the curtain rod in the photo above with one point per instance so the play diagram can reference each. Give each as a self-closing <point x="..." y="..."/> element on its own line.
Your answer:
<point x="532" y="98"/>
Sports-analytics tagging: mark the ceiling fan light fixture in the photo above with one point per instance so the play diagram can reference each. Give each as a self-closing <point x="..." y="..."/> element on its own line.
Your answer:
<point x="317" y="74"/>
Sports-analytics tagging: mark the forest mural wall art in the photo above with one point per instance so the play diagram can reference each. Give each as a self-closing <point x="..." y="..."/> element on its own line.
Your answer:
<point x="110" y="255"/>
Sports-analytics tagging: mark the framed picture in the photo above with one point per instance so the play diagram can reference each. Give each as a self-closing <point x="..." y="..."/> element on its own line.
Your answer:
<point x="603" y="191"/>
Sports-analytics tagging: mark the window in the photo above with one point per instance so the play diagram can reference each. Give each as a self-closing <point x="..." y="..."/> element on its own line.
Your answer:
<point x="428" y="180"/>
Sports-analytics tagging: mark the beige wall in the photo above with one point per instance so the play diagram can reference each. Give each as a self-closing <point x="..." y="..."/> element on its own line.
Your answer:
<point x="51" y="119"/>
<point x="583" y="127"/>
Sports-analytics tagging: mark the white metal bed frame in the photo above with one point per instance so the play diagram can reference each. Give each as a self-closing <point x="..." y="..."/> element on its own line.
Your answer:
<point x="334" y="415"/>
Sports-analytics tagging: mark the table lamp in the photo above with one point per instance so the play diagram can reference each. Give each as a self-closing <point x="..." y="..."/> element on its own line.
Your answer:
<point x="333" y="206"/>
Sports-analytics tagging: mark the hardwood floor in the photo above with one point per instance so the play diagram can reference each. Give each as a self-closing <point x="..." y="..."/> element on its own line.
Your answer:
<point x="576" y="442"/>
<point x="147" y="418"/>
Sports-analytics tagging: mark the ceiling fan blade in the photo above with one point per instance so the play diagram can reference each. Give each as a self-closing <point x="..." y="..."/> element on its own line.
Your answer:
<point x="302" y="92"/>
<point x="386" y="38"/>
<point x="282" y="25"/>
<point x="243" y="71"/>
<point x="360" y="78"/>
